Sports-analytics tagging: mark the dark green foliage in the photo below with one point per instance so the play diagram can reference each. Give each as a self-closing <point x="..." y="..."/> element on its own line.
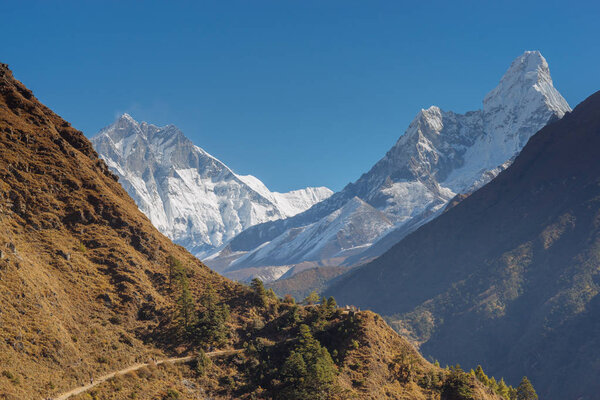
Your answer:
<point x="308" y="372"/>
<point x="211" y="326"/>
<point x="312" y="298"/>
<point x="331" y="303"/>
<point x="457" y="386"/>
<point x="501" y="388"/>
<point x="260" y="294"/>
<point x="525" y="391"/>
<point x="202" y="363"/>
<point x="185" y="303"/>
<point x="172" y="394"/>
<point x="292" y="317"/>
<point x="481" y="376"/>
<point x="175" y="269"/>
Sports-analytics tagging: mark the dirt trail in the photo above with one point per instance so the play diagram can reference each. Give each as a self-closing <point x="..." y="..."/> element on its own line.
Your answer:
<point x="135" y="367"/>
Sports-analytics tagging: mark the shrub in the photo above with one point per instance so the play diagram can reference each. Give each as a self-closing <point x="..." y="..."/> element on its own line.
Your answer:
<point x="172" y="394"/>
<point x="457" y="385"/>
<point x="202" y="363"/>
<point x="15" y="380"/>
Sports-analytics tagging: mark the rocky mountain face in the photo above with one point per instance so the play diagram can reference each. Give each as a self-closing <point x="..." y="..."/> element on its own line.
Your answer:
<point x="189" y="195"/>
<point x="510" y="272"/>
<point x="441" y="155"/>
<point x="89" y="287"/>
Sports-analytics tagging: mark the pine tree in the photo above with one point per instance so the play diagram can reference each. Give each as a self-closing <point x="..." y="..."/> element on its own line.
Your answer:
<point x="309" y="371"/>
<point x="175" y="269"/>
<point x="331" y="303"/>
<point x="202" y="363"/>
<point x="502" y="389"/>
<point x="493" y="384"/>
<point x="481" y="376"/>
<point x="525" y="391"/>
<point x="312" y="298"/>
<point x="211" y="327"/>
<point x="185" y="303"/>
<point x="260" y="293"/>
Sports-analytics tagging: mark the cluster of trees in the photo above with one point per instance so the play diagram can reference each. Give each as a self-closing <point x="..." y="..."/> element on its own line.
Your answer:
<point x="524" y="391"/>
<point x="205" y="320"/>
<point x="309" y="371"/>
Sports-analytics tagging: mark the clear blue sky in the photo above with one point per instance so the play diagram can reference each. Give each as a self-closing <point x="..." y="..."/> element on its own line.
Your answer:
<point x="297" y="93"/>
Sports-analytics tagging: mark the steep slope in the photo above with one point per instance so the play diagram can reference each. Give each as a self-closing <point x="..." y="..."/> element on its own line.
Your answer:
<point x="511" y="272"/>
<point x="189" y="195"/>
<point x="88" y="287"/>
<point x="441" y="154"/>
<point x="78" y="261"/>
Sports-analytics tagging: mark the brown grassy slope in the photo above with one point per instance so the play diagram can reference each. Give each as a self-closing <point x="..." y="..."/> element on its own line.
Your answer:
<point x="75" y="252"/>
<point x="385" y="366"/>
<point x="83" y="276"/>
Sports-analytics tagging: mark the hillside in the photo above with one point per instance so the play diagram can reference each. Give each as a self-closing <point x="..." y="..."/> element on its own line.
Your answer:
<point x="508" y="276"/>
<point x="88" y="286"/>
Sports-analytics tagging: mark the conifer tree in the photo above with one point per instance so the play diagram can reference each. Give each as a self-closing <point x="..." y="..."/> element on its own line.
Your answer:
<point x="525" y="391"/>
<point x="481" y="376"/>
<point x="503" y="389"/>
<point x="312" y="298"/>
<point x="175" y="269"/>
<point x="211" y="327"/>
<point x="185" y="303"/>
<point x="309" y="371"/>
<point x="260" y="293"/>
<point x="331" y="304"/>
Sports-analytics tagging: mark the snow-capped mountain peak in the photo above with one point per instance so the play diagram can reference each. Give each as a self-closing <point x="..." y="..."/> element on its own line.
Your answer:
<point x="188" y="194"/>
<point x="441" y="154"/>
<point x="526" y="81"/>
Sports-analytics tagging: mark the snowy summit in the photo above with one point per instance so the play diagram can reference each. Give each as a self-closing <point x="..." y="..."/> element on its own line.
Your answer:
<point x="440" y="155"/>
<point x="189" y="195"/>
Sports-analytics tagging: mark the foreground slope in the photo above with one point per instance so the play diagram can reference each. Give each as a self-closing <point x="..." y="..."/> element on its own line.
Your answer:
<point x="510" y="273"/>
<point x="88" y="287"/>
<point x="75" y="254"/>
<point x="441" y="154"/>
<point x="189" y="195"/>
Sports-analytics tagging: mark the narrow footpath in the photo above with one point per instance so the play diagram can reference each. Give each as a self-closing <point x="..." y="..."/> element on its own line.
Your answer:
<point x="135" y="367"/>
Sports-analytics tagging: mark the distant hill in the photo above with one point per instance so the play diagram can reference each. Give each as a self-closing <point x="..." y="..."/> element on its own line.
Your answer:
<point x="509" y="276"/>
<point x="301" y="284"/>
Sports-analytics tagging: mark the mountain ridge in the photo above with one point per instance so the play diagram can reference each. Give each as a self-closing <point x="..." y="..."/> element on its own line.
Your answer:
<point x="190" y="195"/>
<point x="441" y="154"/>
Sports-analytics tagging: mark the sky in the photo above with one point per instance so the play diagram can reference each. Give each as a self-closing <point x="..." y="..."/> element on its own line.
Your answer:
<point x="297" y="93"/>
